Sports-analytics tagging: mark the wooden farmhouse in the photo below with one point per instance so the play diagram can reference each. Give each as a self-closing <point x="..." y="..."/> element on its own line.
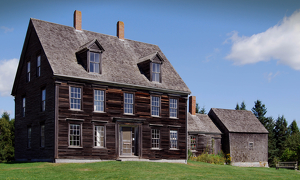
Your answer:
<point x="243" y="136"/>
<point x="82" y="96"/>
<point x="203" y="134"/>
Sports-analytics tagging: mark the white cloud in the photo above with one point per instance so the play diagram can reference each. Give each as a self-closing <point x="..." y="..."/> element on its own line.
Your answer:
<point x="6" y="29"/>
<point x="270" y="76"/>
<point x="280" y="42"/>
<point x="8" y="70"/>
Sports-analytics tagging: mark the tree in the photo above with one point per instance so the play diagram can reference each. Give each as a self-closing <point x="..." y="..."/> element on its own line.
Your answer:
<point x="202" y="111"/>
<point x="197" y="108"/>
<point x="260" y="110"/>
<point x="242" y="107"/>
<point x="281" y="135"/>
<point x="6" y="138"/>
<point x="293" y="128"/>
<point x="237" y="107"/>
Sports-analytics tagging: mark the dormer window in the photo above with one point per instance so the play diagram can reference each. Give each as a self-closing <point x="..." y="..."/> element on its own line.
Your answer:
<point x="94" y="62"/>
<point x="156" y="72"/>
<point x="151" y="67"/>
<point x="89" y="56"/>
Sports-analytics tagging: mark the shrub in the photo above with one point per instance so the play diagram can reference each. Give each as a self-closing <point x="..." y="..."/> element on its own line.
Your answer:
<point x="209" y="158"/>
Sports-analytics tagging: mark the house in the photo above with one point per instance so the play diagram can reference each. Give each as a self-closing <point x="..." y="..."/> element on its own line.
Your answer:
<point x="203" y="134"/>
<point x="82" y="96"/>
<point x="243" y="136"/>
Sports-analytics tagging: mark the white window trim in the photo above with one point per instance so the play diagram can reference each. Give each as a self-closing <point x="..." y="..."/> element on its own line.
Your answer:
<point x="157" y="130"/>
<point x="104" y="136"/>
<point x="175" y="117"/>
<point x="89" y="62"/>
<point x="174" y="148"/>
<point x="190" y="142"/>
<point x="99" y="101"/>
<point x="159" y="107"/>
<point x="128" y="103"/>
<point x="80" y="136"/>
<point x="74" y="98"/>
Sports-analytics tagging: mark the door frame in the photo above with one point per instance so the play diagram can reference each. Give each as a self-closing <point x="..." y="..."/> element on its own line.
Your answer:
<point x="138" y="139"/>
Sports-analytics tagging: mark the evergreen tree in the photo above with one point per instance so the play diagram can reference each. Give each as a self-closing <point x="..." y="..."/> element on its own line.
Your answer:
<point x="6" y="138"/>
<point x="293" y="128"/>
<point x="260" y="110"/>
<point x="237" y="107"/>
<point x="203" y="110"/>
<point x="243" y="106"/>
<point x="197" y="108"/>
<point x="281" y="135"/>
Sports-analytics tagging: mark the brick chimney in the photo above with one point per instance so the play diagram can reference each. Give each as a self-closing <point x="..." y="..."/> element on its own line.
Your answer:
<point x="192" y="105"/>
<point x="120" y="30"/>
<point x="77" y="20"/>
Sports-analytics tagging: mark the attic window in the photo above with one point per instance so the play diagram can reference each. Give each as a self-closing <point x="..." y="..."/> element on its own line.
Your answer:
<point x="94" y="62"/>
<point x="151" y="66"/>
<point x="156" y="72"/>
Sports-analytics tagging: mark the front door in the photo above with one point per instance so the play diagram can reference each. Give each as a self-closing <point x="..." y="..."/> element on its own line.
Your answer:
<point x="126" y="141"/>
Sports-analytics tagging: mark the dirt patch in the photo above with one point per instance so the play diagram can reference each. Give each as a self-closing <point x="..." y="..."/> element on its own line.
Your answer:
<point x="84" y="169"/>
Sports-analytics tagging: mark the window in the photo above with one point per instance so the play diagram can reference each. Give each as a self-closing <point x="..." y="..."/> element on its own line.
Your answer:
<point x="43" y="135"/>
<point x="38" y="66"/>
<point x="128" y="103"/>
<point x="75" y="98"/>
<point x="94" y="62"/>
<point x="28" y="137"/>
<point x="173" y="139"/>
<point x="156" y="72"/>
<point x="251" y="145"/>
<point x="23" y="106"/>
<point x="193" y="143"/>
<point x="28" y="71"/>
<point x="155" y="138"/>
<point x="74" y="135"/>
<point x="155" y="105"/>
<point x="99" y="136"/>
<point x="173" y="108"/>
<point x="99" y="100"/>
<point x="43" y="99"/>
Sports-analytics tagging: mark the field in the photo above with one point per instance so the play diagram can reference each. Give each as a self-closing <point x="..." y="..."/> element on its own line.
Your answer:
<point x="139" y="170"/>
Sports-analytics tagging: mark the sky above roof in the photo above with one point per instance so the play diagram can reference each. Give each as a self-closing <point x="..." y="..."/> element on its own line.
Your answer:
<point x="225" y="51"/>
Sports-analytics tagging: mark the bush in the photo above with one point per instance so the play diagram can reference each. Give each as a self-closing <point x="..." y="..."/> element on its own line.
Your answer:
<point x="209" y="158"/>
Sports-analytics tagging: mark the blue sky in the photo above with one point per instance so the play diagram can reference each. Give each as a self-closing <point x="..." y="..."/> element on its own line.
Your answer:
<point x="225" y="51"/>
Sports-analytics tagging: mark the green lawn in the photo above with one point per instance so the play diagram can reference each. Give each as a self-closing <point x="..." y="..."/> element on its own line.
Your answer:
<point x="139" y="170"/>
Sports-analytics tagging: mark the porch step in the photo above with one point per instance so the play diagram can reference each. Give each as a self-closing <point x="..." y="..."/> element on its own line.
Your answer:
<point x="128" y="158"/>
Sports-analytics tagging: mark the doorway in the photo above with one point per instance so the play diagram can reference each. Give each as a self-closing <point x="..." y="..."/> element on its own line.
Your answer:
<point x="128" y="141"/>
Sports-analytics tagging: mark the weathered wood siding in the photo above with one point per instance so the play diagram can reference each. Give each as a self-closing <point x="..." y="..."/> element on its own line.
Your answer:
<point x="204" y="144"/>
<point x="34" y="117"/>
<point x="114" y="101"/>
<point x="239" y="147"/>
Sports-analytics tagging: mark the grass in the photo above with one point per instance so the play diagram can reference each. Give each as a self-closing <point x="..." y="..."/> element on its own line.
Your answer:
<point x="139" y="170"/>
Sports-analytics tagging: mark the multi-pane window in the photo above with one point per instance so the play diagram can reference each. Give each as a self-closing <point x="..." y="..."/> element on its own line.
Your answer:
<point x="28" y="72"/>
<point x="128" y="103"/>
<point x="156" y="72"/>
<point x="99" y="136"/>
<point x="75" y="98"/>
<point x="192" y="142"/>
<point x="38" y="66"/>
<point x="43" y="99"/>
<point x="29" y="137"/>
<point x="173" y="108"/>
<point x="74" y="135"/>
<point x="155" y="138"/>
<point x="155" y="105"/>
<point x="43" y="135"/>
<point x="173" y="139"/>
<point x="94" y="62"/>
<point x="99" y="100"/>
<point x="23" y="106"/>
<point x="251" y="145"/>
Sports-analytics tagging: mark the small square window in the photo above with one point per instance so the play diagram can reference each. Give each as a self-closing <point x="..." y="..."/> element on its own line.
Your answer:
<point x="155" y="105"/>
<point x="128" y="103"/>
<point x="251" y="145"/>
<point x="75" y="98"/>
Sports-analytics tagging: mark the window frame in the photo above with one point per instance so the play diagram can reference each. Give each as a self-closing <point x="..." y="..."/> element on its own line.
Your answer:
<point x="176" y="140"/>
<point x="38" y="65"/>
<point x="81" y="103"/>
<point x="159" y="107"/>
<point x="29" y="135"/>
<point x="104" y="100"/>
<point x="69" y="135"/>
<point x="42" y="135"/>
<point x="43" y="101"/>
<point x="133" y="102"/>
<point x="89" y="61"/>
<point x="159" y="138"/>
<point x="251" y="145"/>
<point x="190" y="142"/>
<point x="28" y="71"/>
<point x="94" y="135"/>
<point x="151" y="71"/>
<point x="177" y="100"/>
<point x="23" y="106"/>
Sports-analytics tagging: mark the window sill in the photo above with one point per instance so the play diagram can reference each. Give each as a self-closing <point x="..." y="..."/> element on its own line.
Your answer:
<point x="100" y="112"/>
<point x="96" y="147"/>
<point x="156" y="149"/>
<point x="173" y="117"/>
<point x="75" y="147"/>
<point x="128" y="114"/>
<point x="79" y="110"/>
<point x="173" y="149"/>
<point x="155" y="116"/>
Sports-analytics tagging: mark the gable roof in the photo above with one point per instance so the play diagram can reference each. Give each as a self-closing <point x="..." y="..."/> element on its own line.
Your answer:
<point x="238" y="120"/>
<point x="201" y="123"/>
<point x="119" y="60"/>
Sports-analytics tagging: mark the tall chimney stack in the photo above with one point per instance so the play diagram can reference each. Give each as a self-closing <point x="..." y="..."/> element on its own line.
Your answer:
<point x="77" y="20"/>
<point x="192" y="105"/>
<point x="120" y="30"/>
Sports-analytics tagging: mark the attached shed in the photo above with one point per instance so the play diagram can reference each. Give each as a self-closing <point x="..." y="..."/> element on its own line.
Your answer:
<point x="203" y="134"/>
<point x="244" y="137"/>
